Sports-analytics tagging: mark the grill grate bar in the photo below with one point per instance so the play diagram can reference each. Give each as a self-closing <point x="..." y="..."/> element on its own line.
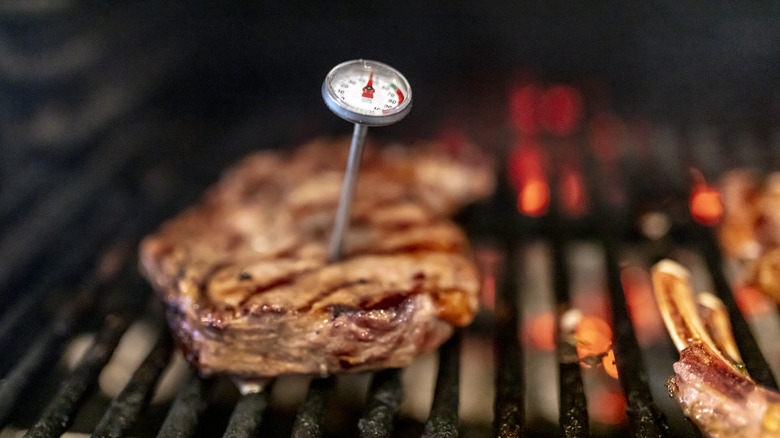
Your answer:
<point x="128" y="406"/>
<point x="644" y="417"/>
<point x="754" y="360"/>
<point x="309" y="421"/>
<point x="509" y="405"/>
<point x="72" y="392"/>
<point x="443" y="418"/>
<point x="40" y="352"/>
<point x="48" y="345"/>
<point x="384" y="399"/>
<point x="573" y="406"/>
<point x="248" y="415"/>
<point x="191" y="402"/>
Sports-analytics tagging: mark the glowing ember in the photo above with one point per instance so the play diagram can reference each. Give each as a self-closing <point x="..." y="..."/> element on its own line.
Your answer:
<point x="573" y="196"/>
<point x="609" y="364"/>
<point x="607" y="406"/>
<point x="488" y="261"/>
<point x="594" y="337"/>
<point x="640" y="299"/>
<point x="526" y="162"/>
<point x="541" y="331"/>
<point x="705" y="204"/>
<point x="751" y="301"/>
<point x="533" y="197"/>
<point x="527" y="175"/>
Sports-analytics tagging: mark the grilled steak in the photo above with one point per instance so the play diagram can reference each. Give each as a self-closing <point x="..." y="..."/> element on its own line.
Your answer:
<point x="248" y="287"/>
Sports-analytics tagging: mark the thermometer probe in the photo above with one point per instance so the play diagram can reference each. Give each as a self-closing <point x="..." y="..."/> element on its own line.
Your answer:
<point x="366" y="93"/>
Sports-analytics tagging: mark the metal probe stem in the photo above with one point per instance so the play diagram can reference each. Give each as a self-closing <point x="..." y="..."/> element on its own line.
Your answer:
<point x="336" y="245"/>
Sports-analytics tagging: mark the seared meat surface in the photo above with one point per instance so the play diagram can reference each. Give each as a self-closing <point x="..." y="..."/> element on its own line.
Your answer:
<point x="720" y="400"/>
<point x="710" y="381"/>
<point x="245" y="275"/>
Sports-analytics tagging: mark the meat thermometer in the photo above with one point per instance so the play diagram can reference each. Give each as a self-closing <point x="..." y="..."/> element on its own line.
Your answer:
<point x="366" y="93"/>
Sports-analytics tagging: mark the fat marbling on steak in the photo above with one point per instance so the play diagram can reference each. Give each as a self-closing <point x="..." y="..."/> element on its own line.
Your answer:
<point x="245" y="278"/>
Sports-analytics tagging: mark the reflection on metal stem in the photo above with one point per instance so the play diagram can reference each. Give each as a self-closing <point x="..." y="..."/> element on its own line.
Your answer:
<point x="335" y="248"/>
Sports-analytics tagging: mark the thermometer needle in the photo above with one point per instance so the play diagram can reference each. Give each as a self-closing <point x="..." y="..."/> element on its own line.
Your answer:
<point x="368" y="90"/>
<point x="335" y="248"/>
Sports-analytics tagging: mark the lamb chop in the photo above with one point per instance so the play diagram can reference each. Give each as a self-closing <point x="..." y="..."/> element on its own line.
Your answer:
<point x="710" y="382"/>
<point x="250" y="291"/>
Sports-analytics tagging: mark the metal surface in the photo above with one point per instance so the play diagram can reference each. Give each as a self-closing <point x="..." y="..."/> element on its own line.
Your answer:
<point x="184" y="415"/>
<point x="72" y="393"/>
<point x="443" y="419"/>
<point x="246" y="419"/>
<point x="573" y="417"/>
<point x="127" y="408"/>
<point x="384" y="400"/>
<point x="341" y="223"/>
<point x="310" y="418"/>
<point x="103" y="147"/>
<point x="381" y="415"/>
<point x="509" y="405"/>
<point x="348" y="111"/>
<point x="754" y="360"/>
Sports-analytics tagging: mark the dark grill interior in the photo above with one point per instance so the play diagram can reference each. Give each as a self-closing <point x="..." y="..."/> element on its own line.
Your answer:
<point x="116" y="116"/>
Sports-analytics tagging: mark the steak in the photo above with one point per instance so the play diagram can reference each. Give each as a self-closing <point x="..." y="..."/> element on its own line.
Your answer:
<point x="246" y="281"/>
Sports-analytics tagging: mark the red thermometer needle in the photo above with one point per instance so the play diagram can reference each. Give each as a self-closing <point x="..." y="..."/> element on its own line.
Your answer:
<point x="368" y="90"/>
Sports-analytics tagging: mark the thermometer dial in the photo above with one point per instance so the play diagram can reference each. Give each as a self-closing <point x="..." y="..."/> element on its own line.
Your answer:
<point x="367" y="92"/>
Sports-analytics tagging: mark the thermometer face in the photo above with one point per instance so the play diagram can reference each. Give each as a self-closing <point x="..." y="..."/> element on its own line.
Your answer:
<point x="367" y="92"/>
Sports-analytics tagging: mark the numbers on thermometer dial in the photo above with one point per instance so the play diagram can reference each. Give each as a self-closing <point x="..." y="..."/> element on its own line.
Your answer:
<point x="351" y="90"/>
<point x="367" y="92"/>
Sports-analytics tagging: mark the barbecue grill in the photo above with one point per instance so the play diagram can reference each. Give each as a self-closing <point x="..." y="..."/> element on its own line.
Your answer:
<point x="115" y="120"/>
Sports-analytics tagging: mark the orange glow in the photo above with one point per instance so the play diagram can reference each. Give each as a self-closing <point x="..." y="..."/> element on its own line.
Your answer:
<point x="523" y="103"/>
<point x="642" y="305"/>
<point x="541" y="331"/>
<point x="527" y="175"/>
<point x="751" y="301"/>
<point x="526" y="162"/>
<point x="573" y="196"/>
<point x="488" y="260"/>
<point x="706" y="207"/>
<point x="607" y="406"/>
<point x="593" y="336"/>
<point x="559" y="110"/>
<point x="609" y="364"/>
<point x="533" y="197"/>
<point x="604" y="134"/>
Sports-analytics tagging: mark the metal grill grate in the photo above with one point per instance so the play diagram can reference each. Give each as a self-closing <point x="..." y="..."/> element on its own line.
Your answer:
<point x="67" y="270"/>
<point x="106" y="301"/>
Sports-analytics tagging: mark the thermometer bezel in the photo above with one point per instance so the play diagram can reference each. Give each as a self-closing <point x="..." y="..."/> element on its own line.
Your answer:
<point x="353" y="114"/>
